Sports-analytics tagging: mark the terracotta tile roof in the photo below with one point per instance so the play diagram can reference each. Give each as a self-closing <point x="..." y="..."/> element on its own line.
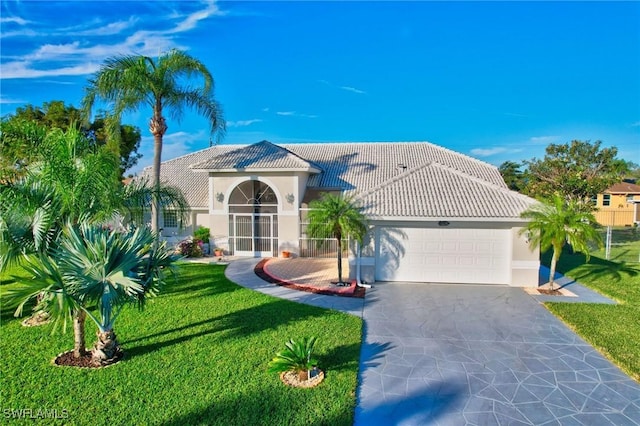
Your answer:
<point x="623" y="188"/>
<point x="398" y="179"/>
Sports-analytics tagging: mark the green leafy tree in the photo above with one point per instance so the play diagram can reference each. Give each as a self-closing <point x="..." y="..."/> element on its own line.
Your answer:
<point x="21" y="134"/>
<point x="512" y="175"/>
<point x="334" y="216"/>
<point x="94" y="272"/>
<point x="128" y="83"/>
<point x="552" y="225"/>
<point x="577" y="171"/>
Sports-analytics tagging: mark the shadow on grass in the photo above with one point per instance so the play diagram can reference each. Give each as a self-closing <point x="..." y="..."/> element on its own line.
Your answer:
<point x="236" y="324"/>
<point x="577" y="266"/>
<point x="267" y="407"/>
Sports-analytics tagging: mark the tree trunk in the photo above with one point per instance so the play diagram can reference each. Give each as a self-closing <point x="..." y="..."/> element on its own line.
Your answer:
<point x="106" y="349"/>
<point x="303" y="375"/>
<point x="158" y="127"/>
<point x="79" y="344"/>
<point x="552" y="273"/>
<point x="339" y="261"/>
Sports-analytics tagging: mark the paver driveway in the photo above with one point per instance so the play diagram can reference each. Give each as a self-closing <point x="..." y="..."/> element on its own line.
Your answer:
<point x="481" y="355"/>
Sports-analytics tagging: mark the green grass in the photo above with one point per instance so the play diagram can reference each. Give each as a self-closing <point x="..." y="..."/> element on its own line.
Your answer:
<point x="198" y="354"/>
<point x="613" y="329"/>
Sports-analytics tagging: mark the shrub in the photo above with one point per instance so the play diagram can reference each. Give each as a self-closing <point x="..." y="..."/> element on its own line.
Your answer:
<point x="296" y="357"/>
<point x="190" y="248"/>
<point x="201" y="234"/>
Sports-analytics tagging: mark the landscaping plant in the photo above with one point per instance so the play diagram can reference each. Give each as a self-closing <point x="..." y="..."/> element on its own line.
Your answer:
<point x="296" y="357"/>
<point x="554" y="224"/>
<point x="334" y="216"/>
<point x="93" y="272"/>
<point x="130" y="82"/>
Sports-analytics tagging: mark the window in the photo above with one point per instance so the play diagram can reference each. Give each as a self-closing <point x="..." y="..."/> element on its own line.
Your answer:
<point x="606" y="200"/>
<point x="253" y="196"/>
<point x="170" y="219"/>
<point x="594" y="200"/>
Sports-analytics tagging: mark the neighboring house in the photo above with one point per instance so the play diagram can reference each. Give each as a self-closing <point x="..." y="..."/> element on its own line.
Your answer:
<point x="618" y="205"/>
<point x="435" y="215"/>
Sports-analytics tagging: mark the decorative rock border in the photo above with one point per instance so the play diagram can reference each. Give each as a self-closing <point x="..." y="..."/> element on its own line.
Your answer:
<point x="290" y="378"/>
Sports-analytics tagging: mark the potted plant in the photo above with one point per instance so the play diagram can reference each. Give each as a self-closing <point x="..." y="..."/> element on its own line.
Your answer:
<point x="296" y="358"/>
<point x="286" y="254"/>
<point x="218" y="251"/>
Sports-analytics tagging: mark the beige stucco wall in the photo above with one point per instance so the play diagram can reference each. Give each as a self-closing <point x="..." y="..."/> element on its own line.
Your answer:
<point x="289" y="189"/>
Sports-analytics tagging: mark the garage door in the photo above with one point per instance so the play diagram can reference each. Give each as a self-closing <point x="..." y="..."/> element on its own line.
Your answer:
<point x="443" y="255"/>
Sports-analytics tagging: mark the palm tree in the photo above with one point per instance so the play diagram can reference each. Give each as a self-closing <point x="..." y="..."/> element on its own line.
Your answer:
<point x="337" y="217"/>
<point x="552" y="225"/>
<point x="70" y="182"/>
<point x="128" y="83"/>
<point x="93" y="267"/>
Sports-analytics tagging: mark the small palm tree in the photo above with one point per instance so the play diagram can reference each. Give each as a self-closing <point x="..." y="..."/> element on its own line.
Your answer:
<point x="128" y="83"/>
<point x="296" y="357"/>
<point x="95" y="268"/>
<point x="334" y="216"/>
<point x="552" y="225"/>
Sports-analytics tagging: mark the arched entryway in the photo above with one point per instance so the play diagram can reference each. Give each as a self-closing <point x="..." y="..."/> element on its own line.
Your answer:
<point x="253" y="220"/>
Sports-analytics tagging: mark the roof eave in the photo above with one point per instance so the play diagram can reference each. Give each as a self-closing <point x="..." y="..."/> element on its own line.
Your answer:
<point x="256" y="170"/>
<point x="446" y="218"/>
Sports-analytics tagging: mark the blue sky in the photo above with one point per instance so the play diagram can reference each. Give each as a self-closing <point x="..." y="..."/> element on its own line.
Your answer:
<point x="495" y="80"/>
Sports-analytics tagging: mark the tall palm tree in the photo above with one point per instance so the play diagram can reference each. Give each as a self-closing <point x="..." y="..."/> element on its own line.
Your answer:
<point x="128" y="83"/>
<point x="93" y="267"/>
<point x="334" y="216"/>
<point x="554" y="224"/>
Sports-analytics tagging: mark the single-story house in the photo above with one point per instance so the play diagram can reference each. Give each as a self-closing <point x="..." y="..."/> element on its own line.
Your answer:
<point x="436" y="215"/>
<point x="618" y="205"/>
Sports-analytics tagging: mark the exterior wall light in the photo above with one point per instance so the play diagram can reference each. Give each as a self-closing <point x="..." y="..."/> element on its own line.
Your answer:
<point x="220" y="196"/>
<point x="290" y="198"/>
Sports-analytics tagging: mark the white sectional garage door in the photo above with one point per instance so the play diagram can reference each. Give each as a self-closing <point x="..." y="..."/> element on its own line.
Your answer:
<point x="443" y="255"/>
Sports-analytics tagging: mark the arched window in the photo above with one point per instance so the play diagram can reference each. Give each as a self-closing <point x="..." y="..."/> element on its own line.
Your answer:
<point x="253" y="196"/>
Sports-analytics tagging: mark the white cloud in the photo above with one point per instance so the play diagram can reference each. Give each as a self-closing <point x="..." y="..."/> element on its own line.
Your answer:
<point x="14" y="19"/>
<point x="243" y="123"/>
<point x="191" y="21"/>
<point x="347" y="88"/>
<point x="544" y="139"/>
<point x="265" y="109"/>
<point x="110" y="29"/>
<point x="488" y="152"/>
<point x="295" y="114"/>
<point x="83" y="58"/>
<point x="4" y="100"/>
<point x="24" y="70"/>
<point x="352" y="89"/>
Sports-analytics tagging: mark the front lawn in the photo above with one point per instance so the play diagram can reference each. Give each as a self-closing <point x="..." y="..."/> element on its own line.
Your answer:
<point x="612" y="329"/>
<point x="198" y="354"/>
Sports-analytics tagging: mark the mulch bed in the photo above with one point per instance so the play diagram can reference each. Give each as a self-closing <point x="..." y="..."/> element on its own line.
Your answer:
<point x="259" y="270"/>
<point x="550" y="292"/>
<point x="66" y="359"/>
